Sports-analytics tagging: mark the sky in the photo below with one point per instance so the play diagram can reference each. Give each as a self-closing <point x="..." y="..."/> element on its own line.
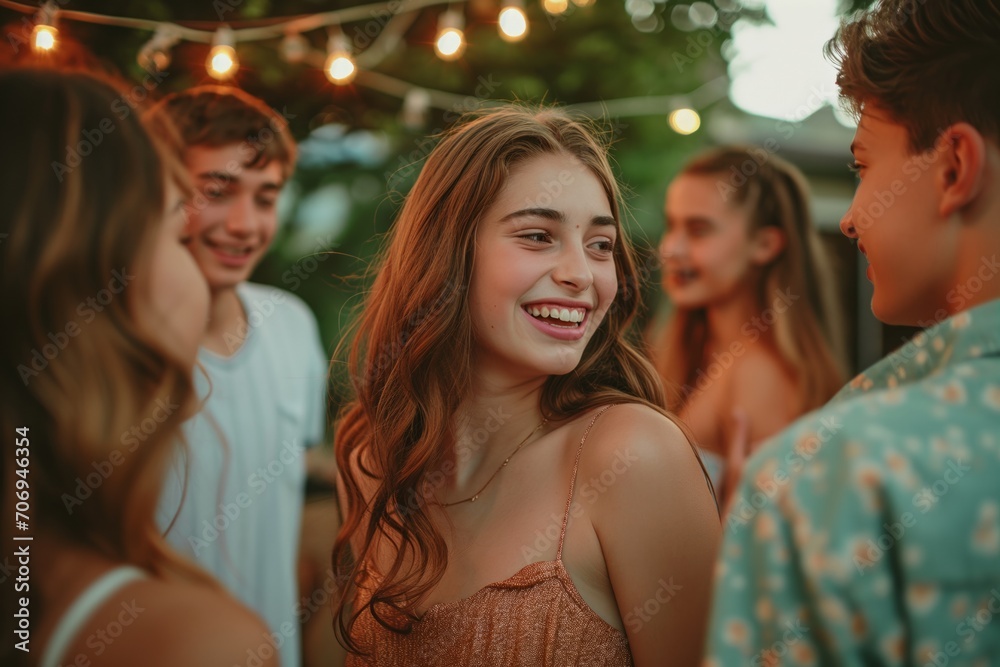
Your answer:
<point x="779" y="71"/>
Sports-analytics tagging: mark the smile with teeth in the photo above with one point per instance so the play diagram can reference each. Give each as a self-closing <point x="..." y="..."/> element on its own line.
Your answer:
<point x="555" y="313"/>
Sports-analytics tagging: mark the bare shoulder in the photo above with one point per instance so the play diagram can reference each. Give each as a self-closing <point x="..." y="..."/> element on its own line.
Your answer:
<point x="766" y="390"/>
<point x="648" y="432"/>
<point x="761" y="370"/>
<point x="174" y="623"/>
<point x="645" y="442"/>
<point x="652" y="511"/>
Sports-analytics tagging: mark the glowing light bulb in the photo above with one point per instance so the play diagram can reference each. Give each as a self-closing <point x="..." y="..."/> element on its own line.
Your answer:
<point x="555" y="7"/>
<point x="513" y="22"/>
<point x="684" y="121"/>
<point x="450" y="43"/>
<point x="339" y="68"/>
<point x="43" y="38"/>
<point x="222" y="62"/>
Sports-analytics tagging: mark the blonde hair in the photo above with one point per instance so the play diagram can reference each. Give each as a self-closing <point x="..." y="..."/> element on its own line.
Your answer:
<point x="773" y="193"/>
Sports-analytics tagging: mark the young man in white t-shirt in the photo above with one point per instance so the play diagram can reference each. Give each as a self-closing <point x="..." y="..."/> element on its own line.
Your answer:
<point x="240" y="513"/>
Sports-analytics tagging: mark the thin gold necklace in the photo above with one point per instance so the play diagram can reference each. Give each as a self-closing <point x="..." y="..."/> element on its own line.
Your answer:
<point x="475" y="496"/>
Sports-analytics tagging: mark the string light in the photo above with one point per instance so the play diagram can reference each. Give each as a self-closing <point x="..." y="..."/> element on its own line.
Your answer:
<point x="415" y="106"/>
<point x="340" y="68"/>
<point x="555" y="7"/>
<point x="512" y="21"/>
<point x="294" y="48"/>
<point x="222" y="62"/>
<point x="684" y="121"/>
<point x="154" y="56"/>
<point x="44" y="37"/>
<point x="450" y="43"/>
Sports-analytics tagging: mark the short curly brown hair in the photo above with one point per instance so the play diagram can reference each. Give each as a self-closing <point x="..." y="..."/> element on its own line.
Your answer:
<point x="928" y="63"/>
<point x="219" y="116"/>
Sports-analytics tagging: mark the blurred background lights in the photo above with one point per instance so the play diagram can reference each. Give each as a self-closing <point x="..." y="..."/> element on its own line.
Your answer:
<point x="222" y="63"/>
<point x="512" y="21"/>
<point x="43" y="38"/>
<point x="703" y="15"/>
<point x="450" y="42"/>
<point x="555" y="7"/>
<point x="640" y="9"/>
<point x="339" y="68"/>
<point x="294" y="48"/>
<point x="680" y="17"/>
<point x="684" y="121"/>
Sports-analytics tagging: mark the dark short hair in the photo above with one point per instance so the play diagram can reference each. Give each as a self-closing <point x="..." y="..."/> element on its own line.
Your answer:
<point x="219" y="116"/>
<point x="928" y="63"/>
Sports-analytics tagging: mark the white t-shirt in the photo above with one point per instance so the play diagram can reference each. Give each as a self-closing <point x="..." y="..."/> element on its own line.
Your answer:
<point x="243" y="505"/>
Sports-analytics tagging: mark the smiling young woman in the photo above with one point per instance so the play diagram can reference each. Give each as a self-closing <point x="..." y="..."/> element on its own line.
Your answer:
<point x="513" y="489"/>
<point x="755" y="323"/>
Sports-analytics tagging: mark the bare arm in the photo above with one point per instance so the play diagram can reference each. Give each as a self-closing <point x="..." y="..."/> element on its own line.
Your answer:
<point x="659" y="533"/>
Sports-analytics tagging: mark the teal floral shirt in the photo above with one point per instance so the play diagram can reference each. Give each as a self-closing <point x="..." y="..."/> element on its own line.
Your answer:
<point x="868" y="533"/>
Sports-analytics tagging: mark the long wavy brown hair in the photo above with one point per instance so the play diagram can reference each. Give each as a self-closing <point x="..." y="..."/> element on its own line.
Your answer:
<point x="410" y="358"/>
<point x="807" y="335"/>
<point x="82" y="188"/>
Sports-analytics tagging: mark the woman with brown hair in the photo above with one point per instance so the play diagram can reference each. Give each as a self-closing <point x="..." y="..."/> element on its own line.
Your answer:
<point x="514" y="494"/>
<point x="754" y="319"/>
<point x="104" y="309"/>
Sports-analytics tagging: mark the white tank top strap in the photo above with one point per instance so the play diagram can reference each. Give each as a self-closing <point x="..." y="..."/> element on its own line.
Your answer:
<point x="83" y="607"/>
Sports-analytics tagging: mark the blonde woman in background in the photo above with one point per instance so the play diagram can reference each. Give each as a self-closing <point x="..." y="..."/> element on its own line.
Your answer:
<point x="749" y="346"/>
